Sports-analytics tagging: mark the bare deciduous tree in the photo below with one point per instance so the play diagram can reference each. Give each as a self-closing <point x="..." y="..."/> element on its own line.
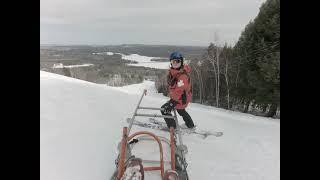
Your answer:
<point x="213" y="57"/>
<point x="198" y="72"/>
<point x="226" y="66"/>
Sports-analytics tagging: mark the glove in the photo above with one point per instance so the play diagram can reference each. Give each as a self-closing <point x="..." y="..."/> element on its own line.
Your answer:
<point x="170" y="105"/>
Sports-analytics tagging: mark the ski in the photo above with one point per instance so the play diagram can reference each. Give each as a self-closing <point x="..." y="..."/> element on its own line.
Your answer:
<point x="184" y="128"/>
<point x="149" y="125"/>
<point x="158" y="125"/>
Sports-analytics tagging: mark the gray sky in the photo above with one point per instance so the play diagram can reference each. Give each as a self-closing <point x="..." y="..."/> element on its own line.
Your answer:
<point x="172" y="22"/>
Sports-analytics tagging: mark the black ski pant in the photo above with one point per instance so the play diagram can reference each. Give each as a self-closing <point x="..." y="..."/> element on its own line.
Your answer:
<point x="182" y="112"/>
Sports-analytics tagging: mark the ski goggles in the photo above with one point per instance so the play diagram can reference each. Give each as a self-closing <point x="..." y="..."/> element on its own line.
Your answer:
<point x="175" y="60"/>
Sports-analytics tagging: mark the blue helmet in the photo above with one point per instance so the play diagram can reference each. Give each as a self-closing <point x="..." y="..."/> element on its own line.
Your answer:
<point x="176" y="55"/>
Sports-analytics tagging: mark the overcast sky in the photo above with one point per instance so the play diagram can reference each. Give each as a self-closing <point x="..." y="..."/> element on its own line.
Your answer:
<point x="171" y="22"/>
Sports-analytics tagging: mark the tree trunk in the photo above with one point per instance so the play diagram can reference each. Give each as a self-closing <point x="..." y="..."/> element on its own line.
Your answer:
<point x="246" y="107"/>
<point x="218" y="73"/>
<point x="201" y="88"/>
<point x="200" y="85"/>
<point x="238" y="71"/>
<point x="216" y="81"/>
<point x="264" y="109"/>
<point x="228" y="98"/>
<point x="227" y="82"/>
<point x="212" y="54"/>
<point x="272" y="110"/>
<point x="66" y="72"/>
<point x="217" y="93"/>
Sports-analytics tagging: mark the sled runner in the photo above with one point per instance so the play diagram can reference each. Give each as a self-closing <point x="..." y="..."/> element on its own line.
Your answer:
<point x="129" y="167"/>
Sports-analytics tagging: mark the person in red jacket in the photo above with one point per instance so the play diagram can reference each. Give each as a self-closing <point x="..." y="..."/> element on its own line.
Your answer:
<point x="179" y="87"/>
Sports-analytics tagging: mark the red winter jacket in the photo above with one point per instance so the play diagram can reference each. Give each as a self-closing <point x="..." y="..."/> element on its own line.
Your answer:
<point x="179" y="86"/>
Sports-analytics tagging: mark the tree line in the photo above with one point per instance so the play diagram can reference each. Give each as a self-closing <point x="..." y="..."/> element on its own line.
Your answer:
<point x="245" y="76"/>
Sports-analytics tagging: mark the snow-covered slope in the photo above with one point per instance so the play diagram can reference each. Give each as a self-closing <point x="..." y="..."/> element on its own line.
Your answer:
<point x="81" y="125"/>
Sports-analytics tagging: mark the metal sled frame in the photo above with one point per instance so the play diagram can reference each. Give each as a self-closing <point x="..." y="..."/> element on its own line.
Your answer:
<point x="126" y="138"/>
<point x="159" y="116"/>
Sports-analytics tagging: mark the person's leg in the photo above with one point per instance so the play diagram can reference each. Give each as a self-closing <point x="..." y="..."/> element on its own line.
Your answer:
<point x="186" y="117"/>
<point x="169" y="122"/>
